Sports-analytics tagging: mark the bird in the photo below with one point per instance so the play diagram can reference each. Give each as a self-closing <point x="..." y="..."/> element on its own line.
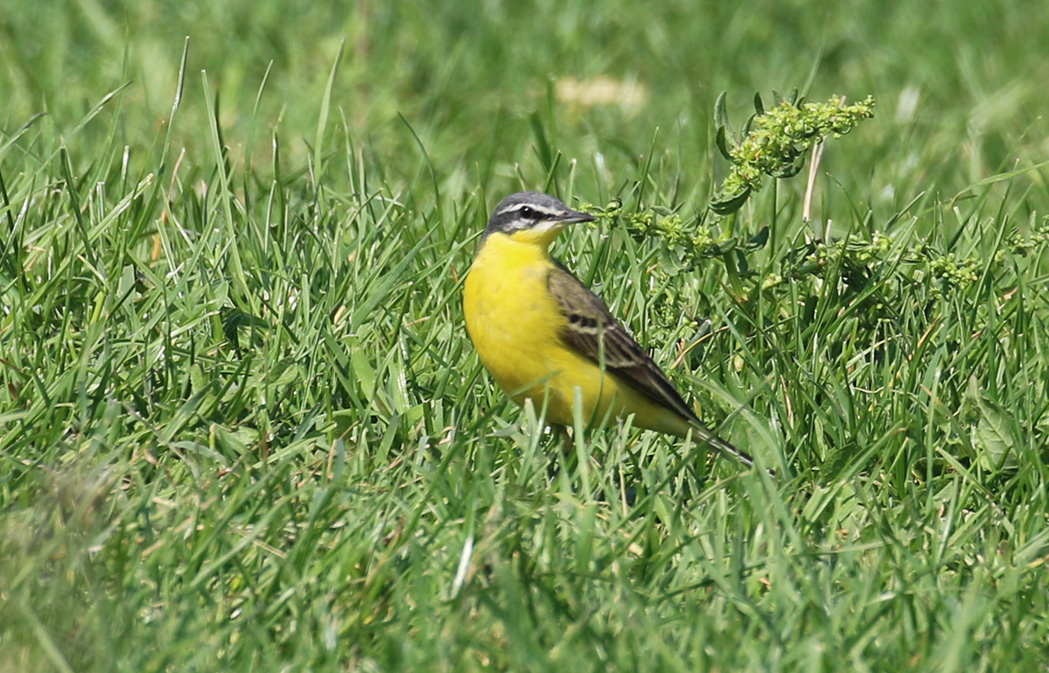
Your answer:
<point x="544" y="336"/>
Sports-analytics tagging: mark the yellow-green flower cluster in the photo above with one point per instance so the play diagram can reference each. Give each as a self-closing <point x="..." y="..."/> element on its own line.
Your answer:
<point x="777" y="140"/>
<point x="694" y="242"/>
<point x="953" y="271"/>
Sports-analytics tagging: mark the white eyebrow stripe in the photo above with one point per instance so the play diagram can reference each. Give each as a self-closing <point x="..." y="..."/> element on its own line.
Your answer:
<point x="525" y="204"/>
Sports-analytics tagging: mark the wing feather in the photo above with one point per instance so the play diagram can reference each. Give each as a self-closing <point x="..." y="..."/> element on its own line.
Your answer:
<point x="594" y="332"/>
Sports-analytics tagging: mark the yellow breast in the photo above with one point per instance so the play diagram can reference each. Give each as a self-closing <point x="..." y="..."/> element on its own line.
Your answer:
<point x="511" y="317"/>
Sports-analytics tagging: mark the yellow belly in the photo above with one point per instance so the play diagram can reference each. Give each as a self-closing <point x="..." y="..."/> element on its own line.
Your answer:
<point x="515" y="326"/>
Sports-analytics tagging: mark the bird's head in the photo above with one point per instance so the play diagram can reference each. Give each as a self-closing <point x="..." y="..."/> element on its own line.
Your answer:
<point x="532" y="217"/>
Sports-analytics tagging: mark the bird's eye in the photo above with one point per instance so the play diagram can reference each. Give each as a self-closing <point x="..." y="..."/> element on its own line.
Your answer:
<point x="527" y="212"/>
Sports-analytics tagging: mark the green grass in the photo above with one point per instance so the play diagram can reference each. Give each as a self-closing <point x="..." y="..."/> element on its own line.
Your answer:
<point x="242" y="427"/>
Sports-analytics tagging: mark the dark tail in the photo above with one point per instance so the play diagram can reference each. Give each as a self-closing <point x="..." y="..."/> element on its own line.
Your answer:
<point x="704" y="435"/>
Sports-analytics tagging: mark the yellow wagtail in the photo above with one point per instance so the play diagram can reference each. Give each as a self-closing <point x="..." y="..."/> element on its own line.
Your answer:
<point x="542" y="334"/>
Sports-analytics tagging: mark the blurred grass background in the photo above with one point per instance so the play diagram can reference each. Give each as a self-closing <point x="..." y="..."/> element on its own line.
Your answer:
<point x="241" y="426"/>
<point x="961" y="82"/>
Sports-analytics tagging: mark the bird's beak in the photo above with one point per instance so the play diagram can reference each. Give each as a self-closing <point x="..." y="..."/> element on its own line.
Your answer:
<point x="574" y="216"/>
<point x="561" y="220"/>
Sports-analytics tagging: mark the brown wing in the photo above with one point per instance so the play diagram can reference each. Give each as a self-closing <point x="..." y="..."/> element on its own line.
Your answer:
<point x="594" y="333"/>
